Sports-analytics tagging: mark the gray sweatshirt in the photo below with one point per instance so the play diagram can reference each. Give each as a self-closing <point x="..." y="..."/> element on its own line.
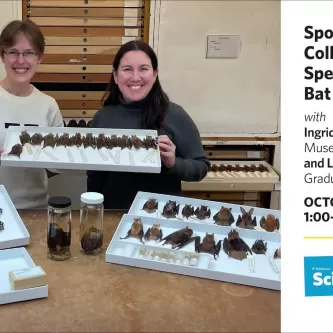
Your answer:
<point x="120" y="188"/>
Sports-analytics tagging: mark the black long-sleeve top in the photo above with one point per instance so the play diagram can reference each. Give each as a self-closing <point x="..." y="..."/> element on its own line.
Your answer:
<point x="120" y="188"/>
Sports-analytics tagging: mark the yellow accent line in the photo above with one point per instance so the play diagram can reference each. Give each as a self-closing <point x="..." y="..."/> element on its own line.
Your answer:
<point x="318" y="237"/>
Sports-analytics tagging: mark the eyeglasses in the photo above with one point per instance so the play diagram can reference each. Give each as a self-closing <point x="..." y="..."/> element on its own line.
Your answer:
<point x="16" y="54"/>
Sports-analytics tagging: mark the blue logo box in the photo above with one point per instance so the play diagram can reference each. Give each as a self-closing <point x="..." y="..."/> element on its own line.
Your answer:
<point x="318" y="276"/>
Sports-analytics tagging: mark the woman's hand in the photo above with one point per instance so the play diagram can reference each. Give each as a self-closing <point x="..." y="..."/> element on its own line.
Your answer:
<point x="168" y="151"/>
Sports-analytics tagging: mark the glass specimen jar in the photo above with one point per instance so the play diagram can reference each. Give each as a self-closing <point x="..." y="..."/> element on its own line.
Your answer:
<point x="91" y="223"/>
<point x="59" y="228"/>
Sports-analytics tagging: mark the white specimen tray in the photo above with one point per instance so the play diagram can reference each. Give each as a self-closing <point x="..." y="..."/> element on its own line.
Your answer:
<point x="13" y="259"/>
<point x="81" y="158"/>
<point x="15" y="233"/>
<point x="241" y="176"/>
<point x="266" y="272"/>
<point x="214" y="206"/>
<point x="235" y="181"/>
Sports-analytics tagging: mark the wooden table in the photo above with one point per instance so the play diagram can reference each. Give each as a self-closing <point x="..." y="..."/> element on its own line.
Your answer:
<point x="86" y="294"/>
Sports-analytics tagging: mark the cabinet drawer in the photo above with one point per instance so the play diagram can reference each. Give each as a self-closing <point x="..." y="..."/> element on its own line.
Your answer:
<point x="87" y="31"/>
<point x="75" y="69"/>
<point x="69" y="86"/>
<point x="78" y="59"/>
<point x="76" y="95"/>
<point x="231" y="154"/>
<point x="81" y="49"/>
<point x="78" y="113"/>
<point x="84" y="12"/>
<point x="78" y="21"/>
<point x="219" y="196"/>
<point x="239" y="198"/>
<point x="92" y="78"/>
<point x="86" y="105"/>
<point x="85" y="3"/>
<point x="116" y="41"/>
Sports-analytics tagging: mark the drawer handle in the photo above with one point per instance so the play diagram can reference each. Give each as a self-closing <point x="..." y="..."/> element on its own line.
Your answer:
<point x="85" y="21"/>
<point x="85" y="2"/>
<point x="84" y="58"/>
<point x="84" y="103"/>
<point x="83" y="77"/>
<point x="85" y="49"/>
<point x="84" y="40"/>
<point x="84" y="68"/>
<point x="84" y="95"/>
<point x="86" y="11"/>
<point x="85" y="31"/>
<point x="84" y="113"/>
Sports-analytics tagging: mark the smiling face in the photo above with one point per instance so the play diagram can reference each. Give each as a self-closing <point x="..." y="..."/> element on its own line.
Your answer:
<point x="20" y="69"/>
<point x="135" y="76"/>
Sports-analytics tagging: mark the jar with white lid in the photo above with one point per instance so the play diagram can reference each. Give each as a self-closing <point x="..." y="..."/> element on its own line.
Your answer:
<point x="91" y="223"/>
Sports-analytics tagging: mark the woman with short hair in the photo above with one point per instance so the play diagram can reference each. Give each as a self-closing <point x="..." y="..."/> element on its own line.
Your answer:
<point x="21" y="104"/>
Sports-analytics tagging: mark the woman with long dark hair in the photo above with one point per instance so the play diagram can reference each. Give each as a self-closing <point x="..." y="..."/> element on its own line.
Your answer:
<point x="135" y="100"/>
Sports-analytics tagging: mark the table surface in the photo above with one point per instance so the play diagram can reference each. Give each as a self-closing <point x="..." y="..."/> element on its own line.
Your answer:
<point x="86" y="294"/>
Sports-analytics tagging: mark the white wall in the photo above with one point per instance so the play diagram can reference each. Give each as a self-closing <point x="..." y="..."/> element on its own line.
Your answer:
<point x="222" y="95"/>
